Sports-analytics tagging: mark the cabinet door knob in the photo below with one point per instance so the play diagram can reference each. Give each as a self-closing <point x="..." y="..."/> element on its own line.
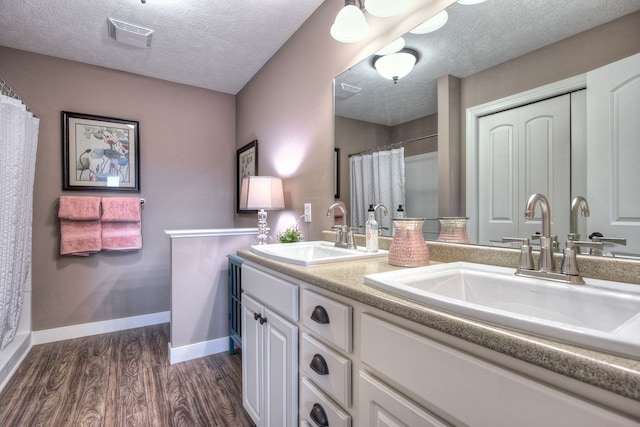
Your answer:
<point x="320" y="315"/>
<point x="263" y="320"/>
<point x="319" y="365"/>
<point x="256" y="316"/>
<point x="319" y="416"/>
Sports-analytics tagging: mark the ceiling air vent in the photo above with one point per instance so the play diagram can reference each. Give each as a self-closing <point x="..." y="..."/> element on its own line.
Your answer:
<point x="130" y="34"/>
<point x="347" y="91"/>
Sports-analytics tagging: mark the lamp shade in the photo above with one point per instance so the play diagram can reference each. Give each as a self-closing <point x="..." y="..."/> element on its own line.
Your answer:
<point x="261" y="192"/>
<point x="350" y="25"/>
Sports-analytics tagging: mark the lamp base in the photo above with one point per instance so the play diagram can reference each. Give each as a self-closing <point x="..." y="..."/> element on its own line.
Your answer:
<point x="263" y="229"/>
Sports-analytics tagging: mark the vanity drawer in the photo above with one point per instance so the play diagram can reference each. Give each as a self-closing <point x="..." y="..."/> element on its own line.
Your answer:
<point x="315" y="407"/>
<point x="328" y="319"/>
<point x="469" y="389"/>
<point x="278" y="293"/>
<point x="315" y="357"/>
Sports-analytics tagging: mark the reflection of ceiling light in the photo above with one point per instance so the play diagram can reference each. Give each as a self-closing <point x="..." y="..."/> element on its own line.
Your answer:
<point x="396" y="65"/>
<point x="130" y="34"/>
<point x="393" y="47"/>
<point x="470" y="2"/>
<point x="385" y="8"/>
<point x="350" y="25"/>
<point x="432" y="24"/>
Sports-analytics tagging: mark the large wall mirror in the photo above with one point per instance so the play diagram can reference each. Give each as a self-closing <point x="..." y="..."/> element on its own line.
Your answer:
<point x="486" y="59"/>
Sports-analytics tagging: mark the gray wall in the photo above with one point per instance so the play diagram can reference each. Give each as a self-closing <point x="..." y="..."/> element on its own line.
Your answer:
<point x="187" y="153"/>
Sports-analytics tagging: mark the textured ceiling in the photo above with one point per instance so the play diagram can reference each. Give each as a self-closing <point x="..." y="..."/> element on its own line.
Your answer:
<point x="475" y="38"/>
<point x="214" y="44"/>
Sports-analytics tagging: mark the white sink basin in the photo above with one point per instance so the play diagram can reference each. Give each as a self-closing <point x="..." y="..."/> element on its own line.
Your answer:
<point x="311" y="253"/>
<point x="602" y="315"/>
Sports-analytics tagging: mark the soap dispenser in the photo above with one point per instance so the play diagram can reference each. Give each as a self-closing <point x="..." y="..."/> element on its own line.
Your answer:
<point x="372" y="231"/>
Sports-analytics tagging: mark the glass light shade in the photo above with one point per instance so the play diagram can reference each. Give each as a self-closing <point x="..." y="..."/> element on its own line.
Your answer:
<point x="350" y="25"/>
<point x="432" y="24"/>
<point x="395" y="46"/>
<point x="470" y="2"/>
<point x="385" y="8"/>
<point x="261" y="192"/>
<point x="396" y="65"/>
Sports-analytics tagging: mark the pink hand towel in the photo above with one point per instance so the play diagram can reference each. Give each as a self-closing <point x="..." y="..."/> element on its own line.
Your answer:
<point x="121" y="209"/>
<point x="121" y="236"/>
<point x="79" y="208"/>
<point x="121" y="224"/>
<point x="80" y="238"/>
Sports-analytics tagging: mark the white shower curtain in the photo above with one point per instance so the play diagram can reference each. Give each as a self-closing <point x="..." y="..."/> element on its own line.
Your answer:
<point x="377" y="178"/>
<point x="18" y="142"/>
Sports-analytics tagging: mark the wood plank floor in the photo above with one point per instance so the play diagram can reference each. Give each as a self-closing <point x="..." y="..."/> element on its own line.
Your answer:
<point x="123" y="379"/>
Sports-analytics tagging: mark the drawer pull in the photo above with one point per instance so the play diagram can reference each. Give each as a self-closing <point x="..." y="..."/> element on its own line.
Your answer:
<point x="319" y="365"/>
<point x="320" y="315"/>
<point x="319" y="416"/>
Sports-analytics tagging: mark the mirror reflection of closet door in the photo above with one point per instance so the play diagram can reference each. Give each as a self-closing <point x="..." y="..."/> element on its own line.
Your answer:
<point x="613" y="152"/>
<point x="523" y="151"/>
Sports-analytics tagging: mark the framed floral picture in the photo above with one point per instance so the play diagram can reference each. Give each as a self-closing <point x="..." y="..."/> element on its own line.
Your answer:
<point x="246" y="165"/>
<point x="100" y="153"/>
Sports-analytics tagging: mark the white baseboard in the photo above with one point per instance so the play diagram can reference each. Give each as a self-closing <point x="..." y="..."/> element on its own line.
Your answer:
<point x="12" y="356"/>
<point x="201" y="349"/>
<point x="95" y="328"/>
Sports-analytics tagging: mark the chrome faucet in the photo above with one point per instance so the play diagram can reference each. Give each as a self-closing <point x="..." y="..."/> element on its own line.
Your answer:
<point x="546" y="266"/>
<point x="578" y="204"/>
<point x="546" y="262"/>
<point x="344" y="234"/>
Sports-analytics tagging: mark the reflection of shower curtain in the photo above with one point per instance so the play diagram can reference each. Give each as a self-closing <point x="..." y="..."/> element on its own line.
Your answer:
<point x="376" y="178"/>
<point x="18" y="142"/>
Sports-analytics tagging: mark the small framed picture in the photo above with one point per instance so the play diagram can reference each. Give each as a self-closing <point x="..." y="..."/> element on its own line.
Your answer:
<point x="246" y="165"/>
<point x="100" y="153"/>
<point x="336" y="173"/>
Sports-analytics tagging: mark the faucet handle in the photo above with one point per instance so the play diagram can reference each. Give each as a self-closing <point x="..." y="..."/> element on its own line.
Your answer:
<point x="569" y="260"/>
<point x="526" y="257"/>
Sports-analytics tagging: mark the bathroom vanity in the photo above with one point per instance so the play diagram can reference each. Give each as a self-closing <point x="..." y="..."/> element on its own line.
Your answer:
<point x="346" y="354"/>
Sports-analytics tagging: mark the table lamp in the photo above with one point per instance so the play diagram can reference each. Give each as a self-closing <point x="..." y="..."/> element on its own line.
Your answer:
<point x="262" y="193"/>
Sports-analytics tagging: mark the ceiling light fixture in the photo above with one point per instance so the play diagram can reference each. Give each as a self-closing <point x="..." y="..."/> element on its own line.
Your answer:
<point x="432" y="24"/>
<point x="130" y="34"/>
<point x="350" y="25"/>
<point x="397" y="65"/>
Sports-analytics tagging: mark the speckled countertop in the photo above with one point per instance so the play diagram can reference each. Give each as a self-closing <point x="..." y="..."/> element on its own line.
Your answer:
<point x="616" y="374"/>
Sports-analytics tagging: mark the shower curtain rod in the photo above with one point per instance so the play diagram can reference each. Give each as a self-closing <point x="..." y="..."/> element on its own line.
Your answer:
<point x="6" y="90"/>
<point x="394" y="145"/>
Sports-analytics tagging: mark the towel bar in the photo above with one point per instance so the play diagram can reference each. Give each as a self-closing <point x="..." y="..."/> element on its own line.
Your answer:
<point x="142" y="201"/>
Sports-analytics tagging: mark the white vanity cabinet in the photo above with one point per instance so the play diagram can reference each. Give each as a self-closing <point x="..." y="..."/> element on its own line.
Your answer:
<point x="269" y="348"/>
<point x="339" y="362"/>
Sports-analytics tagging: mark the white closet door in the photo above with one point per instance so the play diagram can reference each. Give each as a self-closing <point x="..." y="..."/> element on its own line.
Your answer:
<point x="523" y="151"/>
<point x="545" y="163"/>
<point x="498" y="177"/>
<point x="613" y="152"/>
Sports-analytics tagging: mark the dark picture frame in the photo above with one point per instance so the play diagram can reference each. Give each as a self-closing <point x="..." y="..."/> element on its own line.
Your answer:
<point x="100" y="153"/>
<point x="246" y="165"/>
<point x="336" y="173"/>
